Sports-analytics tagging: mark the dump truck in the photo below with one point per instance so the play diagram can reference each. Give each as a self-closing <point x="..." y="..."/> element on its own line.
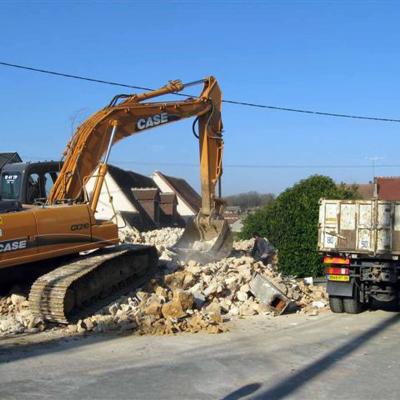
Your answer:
<point x="359" y="241"/>
<point x="67" y="224"/>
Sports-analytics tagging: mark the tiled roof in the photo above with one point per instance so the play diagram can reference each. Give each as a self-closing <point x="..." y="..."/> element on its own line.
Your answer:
<point x="388" y="187"/>
<point x="131" y="179"/>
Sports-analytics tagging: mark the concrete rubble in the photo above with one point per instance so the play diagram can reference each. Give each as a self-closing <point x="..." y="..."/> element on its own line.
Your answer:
<point x="181" y="297"/>
<point x="15" y="316"/>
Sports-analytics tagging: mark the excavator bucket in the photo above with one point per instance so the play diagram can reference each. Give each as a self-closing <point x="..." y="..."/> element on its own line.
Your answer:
<point x="204" y="243"/>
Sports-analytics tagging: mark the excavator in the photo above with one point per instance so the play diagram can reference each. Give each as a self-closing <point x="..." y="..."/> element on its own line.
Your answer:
<point x="66" y="223"/>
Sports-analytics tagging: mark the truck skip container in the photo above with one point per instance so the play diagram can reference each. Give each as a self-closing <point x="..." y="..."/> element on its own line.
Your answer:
<point x="359" y="241"/>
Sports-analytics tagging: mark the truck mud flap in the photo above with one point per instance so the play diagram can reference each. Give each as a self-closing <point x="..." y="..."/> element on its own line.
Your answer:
<point x="344" y="289"/>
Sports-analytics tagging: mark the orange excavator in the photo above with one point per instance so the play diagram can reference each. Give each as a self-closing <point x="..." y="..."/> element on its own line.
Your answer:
<point x="67" y="223"/>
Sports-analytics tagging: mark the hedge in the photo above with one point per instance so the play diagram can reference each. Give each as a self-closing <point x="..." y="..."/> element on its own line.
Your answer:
<point x="291" y="223"/>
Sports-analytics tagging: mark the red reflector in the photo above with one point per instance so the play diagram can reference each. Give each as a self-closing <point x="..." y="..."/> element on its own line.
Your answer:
<point x="336" y="260"/>
<point x="337" y="271"/>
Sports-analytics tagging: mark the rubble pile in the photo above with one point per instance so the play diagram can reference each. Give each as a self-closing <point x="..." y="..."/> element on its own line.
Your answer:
<point x="157" y="311"/>
<point x="243" y="245"/>
<point x="198" y="297"/>
<point x="15" y="316"/>
<point x="182" y="297"/>
<point x="161" y="238"/>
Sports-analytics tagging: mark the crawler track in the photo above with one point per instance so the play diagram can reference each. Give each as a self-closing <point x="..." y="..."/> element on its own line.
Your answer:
<point x="62" y="294"/>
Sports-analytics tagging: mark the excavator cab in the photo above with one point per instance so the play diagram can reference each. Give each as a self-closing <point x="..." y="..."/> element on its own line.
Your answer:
<point x="28" y="182"/>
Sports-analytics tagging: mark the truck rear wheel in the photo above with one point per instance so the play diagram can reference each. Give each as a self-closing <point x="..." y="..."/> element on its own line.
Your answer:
<point x="352" y="305"/>
<point x="336" y="304"/>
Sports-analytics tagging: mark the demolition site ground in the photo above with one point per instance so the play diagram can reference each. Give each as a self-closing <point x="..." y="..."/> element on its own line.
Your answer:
<point x="296" y="356"/>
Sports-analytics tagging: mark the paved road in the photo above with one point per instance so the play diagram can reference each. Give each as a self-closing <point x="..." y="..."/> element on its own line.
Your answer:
<point x="328" y="357"/>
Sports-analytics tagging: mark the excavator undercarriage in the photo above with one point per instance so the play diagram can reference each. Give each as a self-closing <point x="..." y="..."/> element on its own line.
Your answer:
<point x="71" y="291"/>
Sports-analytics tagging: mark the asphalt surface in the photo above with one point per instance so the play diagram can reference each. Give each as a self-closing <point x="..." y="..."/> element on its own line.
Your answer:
<point x="325" y="357"/>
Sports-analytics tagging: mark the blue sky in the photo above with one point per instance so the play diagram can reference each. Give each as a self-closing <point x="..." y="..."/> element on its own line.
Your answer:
<point x="338" y="56"/>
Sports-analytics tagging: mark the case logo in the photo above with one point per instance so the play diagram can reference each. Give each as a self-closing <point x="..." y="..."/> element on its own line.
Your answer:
<point x="79" y="227"/>
<point x="13" y="245"/>
<point x="150" y="122"/>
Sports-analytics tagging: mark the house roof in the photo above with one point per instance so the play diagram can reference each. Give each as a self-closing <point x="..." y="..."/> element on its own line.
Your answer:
<point x="183" y="190"/>
<point x="128" y="180"/>
<point x="6" y="158"/>
<point x="131" y="179"/>
<point x="388" y="187"/>
<point x="366" y="190"/>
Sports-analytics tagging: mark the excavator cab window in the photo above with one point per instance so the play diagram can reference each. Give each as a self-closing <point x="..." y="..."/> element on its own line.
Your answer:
<point x="33" y="191"/>
<point x="49" y="180"/>
<point x="10" y="185"/>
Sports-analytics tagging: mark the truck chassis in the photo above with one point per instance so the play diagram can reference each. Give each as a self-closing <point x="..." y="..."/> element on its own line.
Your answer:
<point x="354" y="283"/>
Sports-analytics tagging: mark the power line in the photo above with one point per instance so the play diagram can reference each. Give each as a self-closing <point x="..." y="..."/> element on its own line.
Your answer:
<point x="322" y="113"/>
<point x="240" y="103"/>
<point x="83" y="78"/>
<point x="263" y="166"/>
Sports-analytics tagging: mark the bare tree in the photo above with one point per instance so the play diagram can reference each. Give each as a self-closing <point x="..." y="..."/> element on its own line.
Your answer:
<point x="249" y="199"/>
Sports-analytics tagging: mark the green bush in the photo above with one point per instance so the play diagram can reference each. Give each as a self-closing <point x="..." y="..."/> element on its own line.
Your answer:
<point x="291" y="223"/>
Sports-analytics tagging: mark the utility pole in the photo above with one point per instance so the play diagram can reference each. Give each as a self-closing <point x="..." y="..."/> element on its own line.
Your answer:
<point x="374" y="159"/>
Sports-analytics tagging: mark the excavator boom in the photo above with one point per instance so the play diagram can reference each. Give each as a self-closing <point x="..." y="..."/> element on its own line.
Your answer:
<point x="208" y="236"/>
<point x="134" y="115"/>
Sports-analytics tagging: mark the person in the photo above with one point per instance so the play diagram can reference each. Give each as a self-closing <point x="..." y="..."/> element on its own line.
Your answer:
<point x="262" y="249"/>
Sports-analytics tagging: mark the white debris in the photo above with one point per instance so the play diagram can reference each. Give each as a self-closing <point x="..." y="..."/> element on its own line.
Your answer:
<point x="318" y="304"/>
<point x="15" y="316"/>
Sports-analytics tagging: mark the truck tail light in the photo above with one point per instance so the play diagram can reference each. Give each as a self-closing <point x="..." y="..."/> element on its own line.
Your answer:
<point x="337" y="271"/>
<point x="336" y="260"/>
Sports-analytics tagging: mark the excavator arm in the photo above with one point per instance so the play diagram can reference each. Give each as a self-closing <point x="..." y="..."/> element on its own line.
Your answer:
<point x="133" y="115"/>
<point x="127" y="115"/>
